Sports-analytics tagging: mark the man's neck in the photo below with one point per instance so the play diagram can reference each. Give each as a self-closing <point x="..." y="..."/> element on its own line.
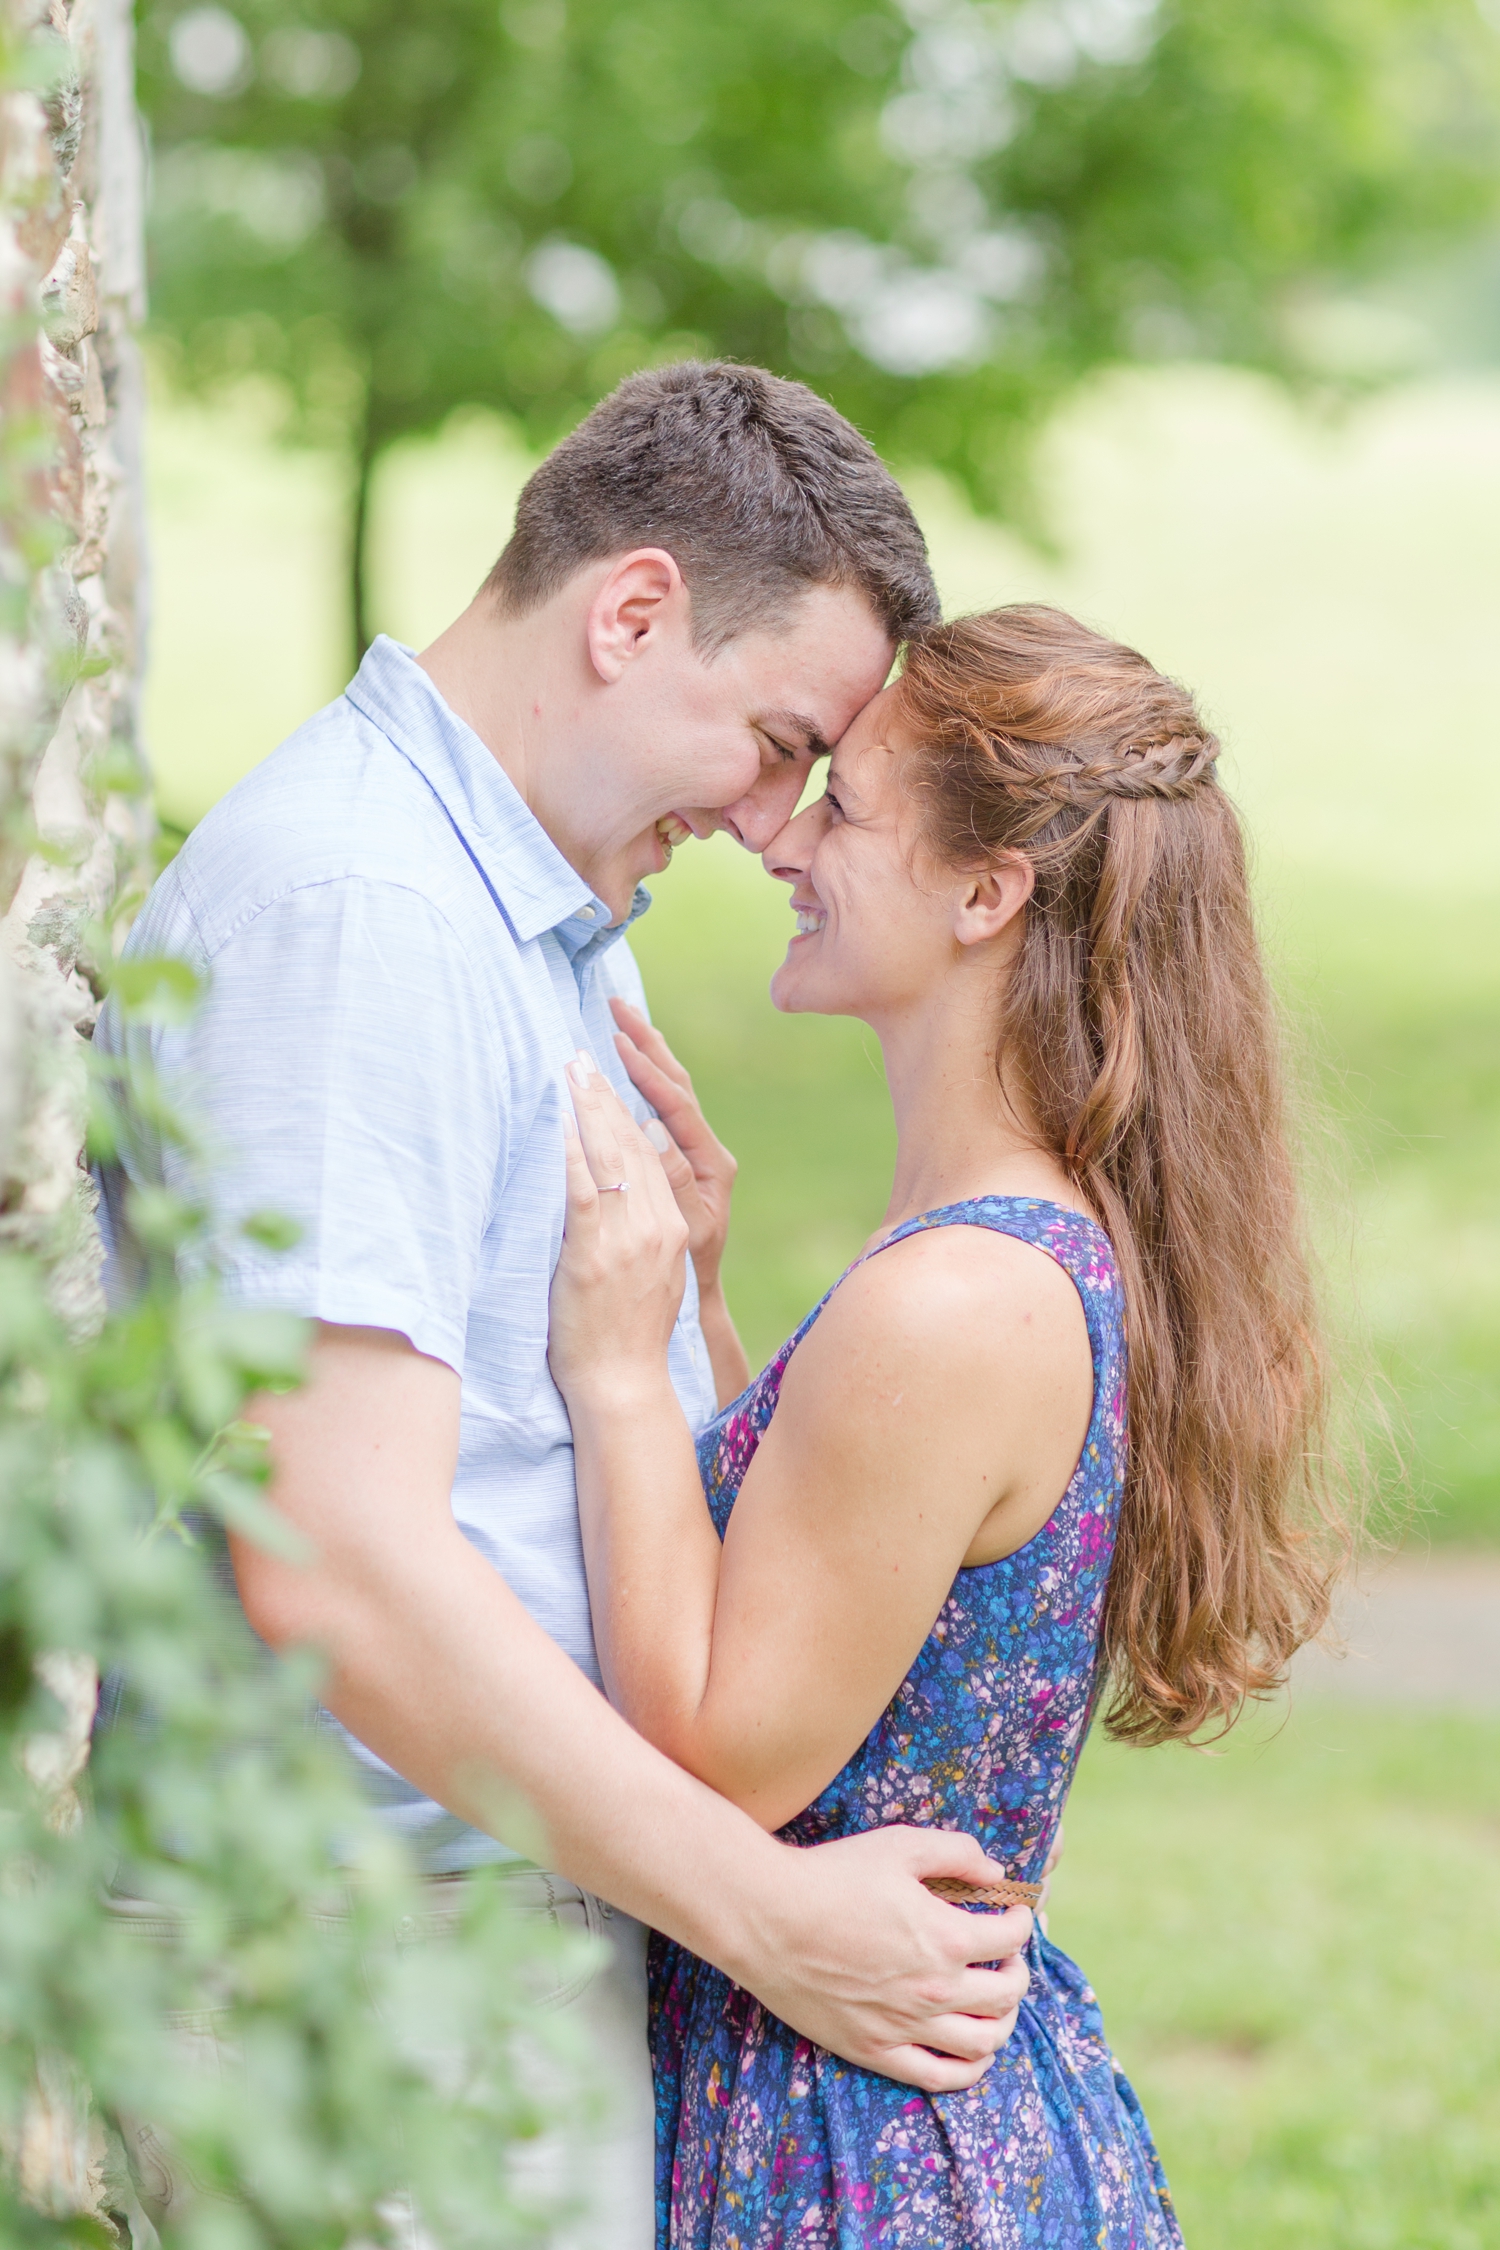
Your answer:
<point x="509" y="680"/>
<point x="489" y="673"/>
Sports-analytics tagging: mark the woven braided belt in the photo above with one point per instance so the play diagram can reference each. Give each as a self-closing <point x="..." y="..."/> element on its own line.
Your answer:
<point x="984" y="1894"/>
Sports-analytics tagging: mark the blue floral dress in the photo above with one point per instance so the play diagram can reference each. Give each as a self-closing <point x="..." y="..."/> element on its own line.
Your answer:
<point x="765" y="2140"/>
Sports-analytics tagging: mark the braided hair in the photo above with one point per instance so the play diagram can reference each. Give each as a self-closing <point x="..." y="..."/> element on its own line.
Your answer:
<point x="1138" y="1020"/>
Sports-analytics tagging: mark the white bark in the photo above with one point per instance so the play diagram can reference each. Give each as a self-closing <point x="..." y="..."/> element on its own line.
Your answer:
<point x="72" y="803"/>
<point x="74" y="817"/>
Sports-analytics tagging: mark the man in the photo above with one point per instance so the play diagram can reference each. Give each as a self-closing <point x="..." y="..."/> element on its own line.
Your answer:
<point x="411" y="917"/>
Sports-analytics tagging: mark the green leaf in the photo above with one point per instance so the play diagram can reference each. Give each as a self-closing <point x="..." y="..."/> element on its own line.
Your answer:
<point x="161" y="1219"/>
<point x="272" y="1230"/>
<point x="241" y="1507"/>
<point x="260" y="1344"/>
<point x="25" y="1320"/>
<point x="156" y="989"/>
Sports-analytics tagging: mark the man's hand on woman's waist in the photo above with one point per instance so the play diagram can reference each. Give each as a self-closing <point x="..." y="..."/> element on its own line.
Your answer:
<point x="436" y="1666"/>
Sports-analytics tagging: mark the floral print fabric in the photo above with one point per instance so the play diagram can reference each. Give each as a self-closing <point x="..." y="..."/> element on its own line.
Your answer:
<point x="765" y="2140"/>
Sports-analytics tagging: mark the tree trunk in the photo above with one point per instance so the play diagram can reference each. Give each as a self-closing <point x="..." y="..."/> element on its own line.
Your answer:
<point x="71" y="777"/>
<point x="74" y="808"/>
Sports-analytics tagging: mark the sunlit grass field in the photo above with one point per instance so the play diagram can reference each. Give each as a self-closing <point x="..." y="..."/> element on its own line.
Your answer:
<point x="1295" y="1946"/>
<point x="1296" y="1942"/>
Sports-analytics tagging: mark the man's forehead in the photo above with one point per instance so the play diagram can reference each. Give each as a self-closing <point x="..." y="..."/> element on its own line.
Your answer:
<point x="820" y="669"/>
<point x="839" y="703"/>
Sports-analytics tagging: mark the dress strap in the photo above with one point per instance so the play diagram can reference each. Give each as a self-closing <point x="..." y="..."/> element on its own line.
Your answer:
<point x="1030" y="1218"/>
<point x="1068" y="1236"/>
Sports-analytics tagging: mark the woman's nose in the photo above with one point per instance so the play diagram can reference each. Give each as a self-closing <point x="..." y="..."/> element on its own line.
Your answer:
<point x="789" y="855"/>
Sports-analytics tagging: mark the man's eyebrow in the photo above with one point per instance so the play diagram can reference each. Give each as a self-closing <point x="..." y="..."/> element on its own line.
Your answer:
<point x="796" y="722"/>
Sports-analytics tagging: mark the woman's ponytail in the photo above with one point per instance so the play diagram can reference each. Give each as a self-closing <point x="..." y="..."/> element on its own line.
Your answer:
<point x="1139" y="1022"/>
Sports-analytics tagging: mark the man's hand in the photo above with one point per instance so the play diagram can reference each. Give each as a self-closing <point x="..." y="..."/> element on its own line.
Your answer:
<point x="868" y="1963"/>
<point x="433" y="1662"/>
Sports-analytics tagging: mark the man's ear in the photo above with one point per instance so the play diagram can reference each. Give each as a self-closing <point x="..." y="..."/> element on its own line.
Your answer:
<point x="991" y="900"/>
<point x="640" y="594"/>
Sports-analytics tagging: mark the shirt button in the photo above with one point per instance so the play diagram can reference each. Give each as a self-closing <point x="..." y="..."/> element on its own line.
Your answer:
<point x="585" y="914"/>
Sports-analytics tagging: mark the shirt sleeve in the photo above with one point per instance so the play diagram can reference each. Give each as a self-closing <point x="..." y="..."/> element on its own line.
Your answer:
<point x="343" y="1075"/>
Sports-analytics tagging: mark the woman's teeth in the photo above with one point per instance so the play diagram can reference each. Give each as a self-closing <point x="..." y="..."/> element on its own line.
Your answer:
<point x="809" y="919"/>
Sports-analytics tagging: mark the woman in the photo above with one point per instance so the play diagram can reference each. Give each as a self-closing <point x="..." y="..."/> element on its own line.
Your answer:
<point x="898" y="1572"/>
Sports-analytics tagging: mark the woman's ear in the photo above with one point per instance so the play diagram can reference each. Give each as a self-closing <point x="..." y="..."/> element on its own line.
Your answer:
<point x="991" y="900"/>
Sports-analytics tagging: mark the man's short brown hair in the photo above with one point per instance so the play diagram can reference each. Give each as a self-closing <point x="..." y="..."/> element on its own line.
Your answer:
<point x="756" y="487"/>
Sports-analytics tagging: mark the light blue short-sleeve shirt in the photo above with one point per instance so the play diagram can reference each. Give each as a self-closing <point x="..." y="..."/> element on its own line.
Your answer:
<point x="400" y="964"/>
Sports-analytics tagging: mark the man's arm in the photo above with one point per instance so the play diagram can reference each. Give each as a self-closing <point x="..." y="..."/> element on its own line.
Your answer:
<point x="437" y="1667"/>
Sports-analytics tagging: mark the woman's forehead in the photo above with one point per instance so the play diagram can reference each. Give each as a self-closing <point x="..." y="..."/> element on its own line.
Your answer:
<point x="867" y="752"/>
<point x="871" y="719"/>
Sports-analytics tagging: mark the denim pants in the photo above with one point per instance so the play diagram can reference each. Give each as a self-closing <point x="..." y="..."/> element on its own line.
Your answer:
<point x="604" y="2168"/>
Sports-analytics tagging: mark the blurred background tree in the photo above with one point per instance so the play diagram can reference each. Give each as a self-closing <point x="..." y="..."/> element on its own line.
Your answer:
<point x="941" y="214"/>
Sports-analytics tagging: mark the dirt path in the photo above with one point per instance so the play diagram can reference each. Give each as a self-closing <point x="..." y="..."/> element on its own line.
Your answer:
<point x="1420" y="1629"/>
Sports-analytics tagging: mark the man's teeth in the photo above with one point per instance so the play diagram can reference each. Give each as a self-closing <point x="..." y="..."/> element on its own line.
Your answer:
<point x="809" y="918"/>
<point x="673" y="831"/>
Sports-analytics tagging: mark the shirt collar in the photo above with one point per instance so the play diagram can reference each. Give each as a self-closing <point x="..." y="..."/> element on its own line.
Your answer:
<point x="538" y="887"/>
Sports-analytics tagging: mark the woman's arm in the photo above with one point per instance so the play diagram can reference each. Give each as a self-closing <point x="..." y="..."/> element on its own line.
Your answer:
<point x="701" y="1173"/>
<point x="431" y="1660"/>
<point x="940" y="1400"/>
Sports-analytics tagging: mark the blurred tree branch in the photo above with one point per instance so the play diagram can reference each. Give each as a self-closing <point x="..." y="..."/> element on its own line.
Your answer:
<point x="942" y="214"/>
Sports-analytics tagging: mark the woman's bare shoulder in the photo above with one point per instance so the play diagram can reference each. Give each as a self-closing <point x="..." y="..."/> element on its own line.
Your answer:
<point x="952" y="1308"/>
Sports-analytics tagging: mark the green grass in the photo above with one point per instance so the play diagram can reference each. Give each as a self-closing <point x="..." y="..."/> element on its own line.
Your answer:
<point x="1402" y="1014"/>
<point x="1295" y="1945"/>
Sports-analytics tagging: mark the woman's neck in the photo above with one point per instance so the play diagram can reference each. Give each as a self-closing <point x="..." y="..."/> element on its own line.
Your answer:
<point x="961" y="1130"/>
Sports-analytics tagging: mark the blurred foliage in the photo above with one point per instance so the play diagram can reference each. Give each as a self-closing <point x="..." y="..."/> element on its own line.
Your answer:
<point x="941" y="214"/>
<point x="284" y="1908"/>
<point x="318" y="2068"/>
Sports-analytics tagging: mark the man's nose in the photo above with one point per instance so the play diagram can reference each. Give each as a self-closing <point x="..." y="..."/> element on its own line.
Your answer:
<point x="752" y="824"/>
<point x="762" y="813"/>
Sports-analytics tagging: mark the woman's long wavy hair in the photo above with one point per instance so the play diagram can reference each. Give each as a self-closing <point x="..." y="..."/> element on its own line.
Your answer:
<point x="1138" y="1023"/>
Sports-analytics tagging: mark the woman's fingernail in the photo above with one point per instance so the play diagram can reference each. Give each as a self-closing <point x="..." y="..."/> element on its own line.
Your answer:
<point x="657" y="1134"/>
<point x="570" y="1128"/>
<point x="581" y="1068"/>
